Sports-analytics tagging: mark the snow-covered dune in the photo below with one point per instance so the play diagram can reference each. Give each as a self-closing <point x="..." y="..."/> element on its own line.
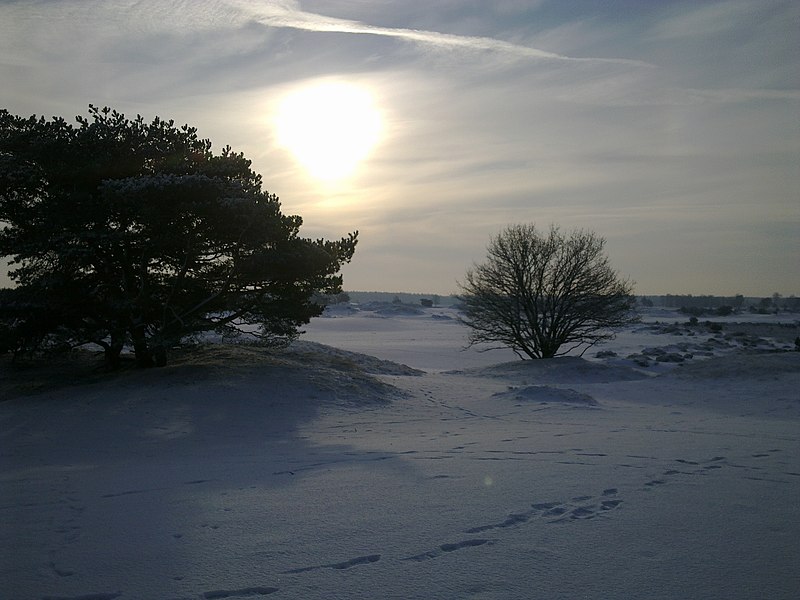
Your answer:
<point x="392" y="464"/>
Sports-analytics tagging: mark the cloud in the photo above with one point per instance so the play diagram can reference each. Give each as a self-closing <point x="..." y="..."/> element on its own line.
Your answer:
<point x="738" y="95"/>
<point x="494" y="115"/>
<point x="707" y="19"/>
<point x="288" y="14"/>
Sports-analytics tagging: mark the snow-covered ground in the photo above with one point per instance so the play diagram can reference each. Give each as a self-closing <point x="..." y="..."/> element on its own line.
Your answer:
<point x="321" y="473"/>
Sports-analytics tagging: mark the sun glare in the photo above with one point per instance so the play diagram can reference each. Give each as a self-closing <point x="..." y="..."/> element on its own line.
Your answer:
<point x="329" y="128"/>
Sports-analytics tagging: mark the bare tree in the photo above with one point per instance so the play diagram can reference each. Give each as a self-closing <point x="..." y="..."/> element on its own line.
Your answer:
<point x="545" y="295"/>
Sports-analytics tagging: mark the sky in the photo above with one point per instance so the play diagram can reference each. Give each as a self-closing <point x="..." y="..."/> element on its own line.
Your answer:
<point x="670" y="128"/>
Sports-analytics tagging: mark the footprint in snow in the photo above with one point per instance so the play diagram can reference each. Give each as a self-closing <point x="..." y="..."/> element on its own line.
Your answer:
<point x="244" y="592"/>
<point x="85" y="597"/>
<point x="445" y="548"/>
<point x="348" y="564"/>
<point x="577" y="508"/>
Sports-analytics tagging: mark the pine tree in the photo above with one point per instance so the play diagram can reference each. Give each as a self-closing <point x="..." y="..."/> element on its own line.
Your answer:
<point x="128" y="233"/>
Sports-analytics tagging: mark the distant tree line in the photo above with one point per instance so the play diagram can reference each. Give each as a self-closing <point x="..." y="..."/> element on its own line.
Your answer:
<point x="707" y="304"/>
<point x="362" y="297"/>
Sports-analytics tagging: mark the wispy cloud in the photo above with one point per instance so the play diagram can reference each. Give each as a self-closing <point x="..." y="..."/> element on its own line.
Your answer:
<point x="707" y="19"/>
<point x="739" y="95"/>
<point x="289" y="15"/>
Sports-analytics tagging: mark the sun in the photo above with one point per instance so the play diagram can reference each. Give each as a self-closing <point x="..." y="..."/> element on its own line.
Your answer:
<point x="329" y="127"/>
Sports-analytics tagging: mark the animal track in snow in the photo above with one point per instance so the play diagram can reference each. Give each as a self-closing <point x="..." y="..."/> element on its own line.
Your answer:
<point x="353" y="562"/>
<point x="85" y="597"/>
<point x="444" y="548"/>
<point x="703" y="467"/>
<point x="132" y="492"/>
<point x="587" y="511"/>
<point x="655" y="482"/>
<point x="244" y="592"/>
<point x="557" y="512"/>
<point x="513" y="519"/>
<point x="360" y="560"/>
<point x="581" y="498"/>
<point x="700" y="467"/>
<point x="577" y="508"/>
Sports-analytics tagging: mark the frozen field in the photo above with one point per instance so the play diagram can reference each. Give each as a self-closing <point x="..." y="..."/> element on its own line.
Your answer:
<point x="318" y="473"/>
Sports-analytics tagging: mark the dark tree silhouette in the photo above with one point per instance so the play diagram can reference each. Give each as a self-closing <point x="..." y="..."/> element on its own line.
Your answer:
<point x="544" y="295"/>
<point x="124" y="232"/>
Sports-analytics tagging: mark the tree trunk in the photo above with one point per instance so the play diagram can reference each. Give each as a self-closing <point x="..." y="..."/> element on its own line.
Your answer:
<point x="144" y="358"/>
<point x="112" y="350"/>
<point x="112" y="357"/>
<point x="160" y="355"/>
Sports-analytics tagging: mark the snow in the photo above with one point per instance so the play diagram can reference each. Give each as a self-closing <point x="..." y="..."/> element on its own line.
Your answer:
<point x="377" y="459"/>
